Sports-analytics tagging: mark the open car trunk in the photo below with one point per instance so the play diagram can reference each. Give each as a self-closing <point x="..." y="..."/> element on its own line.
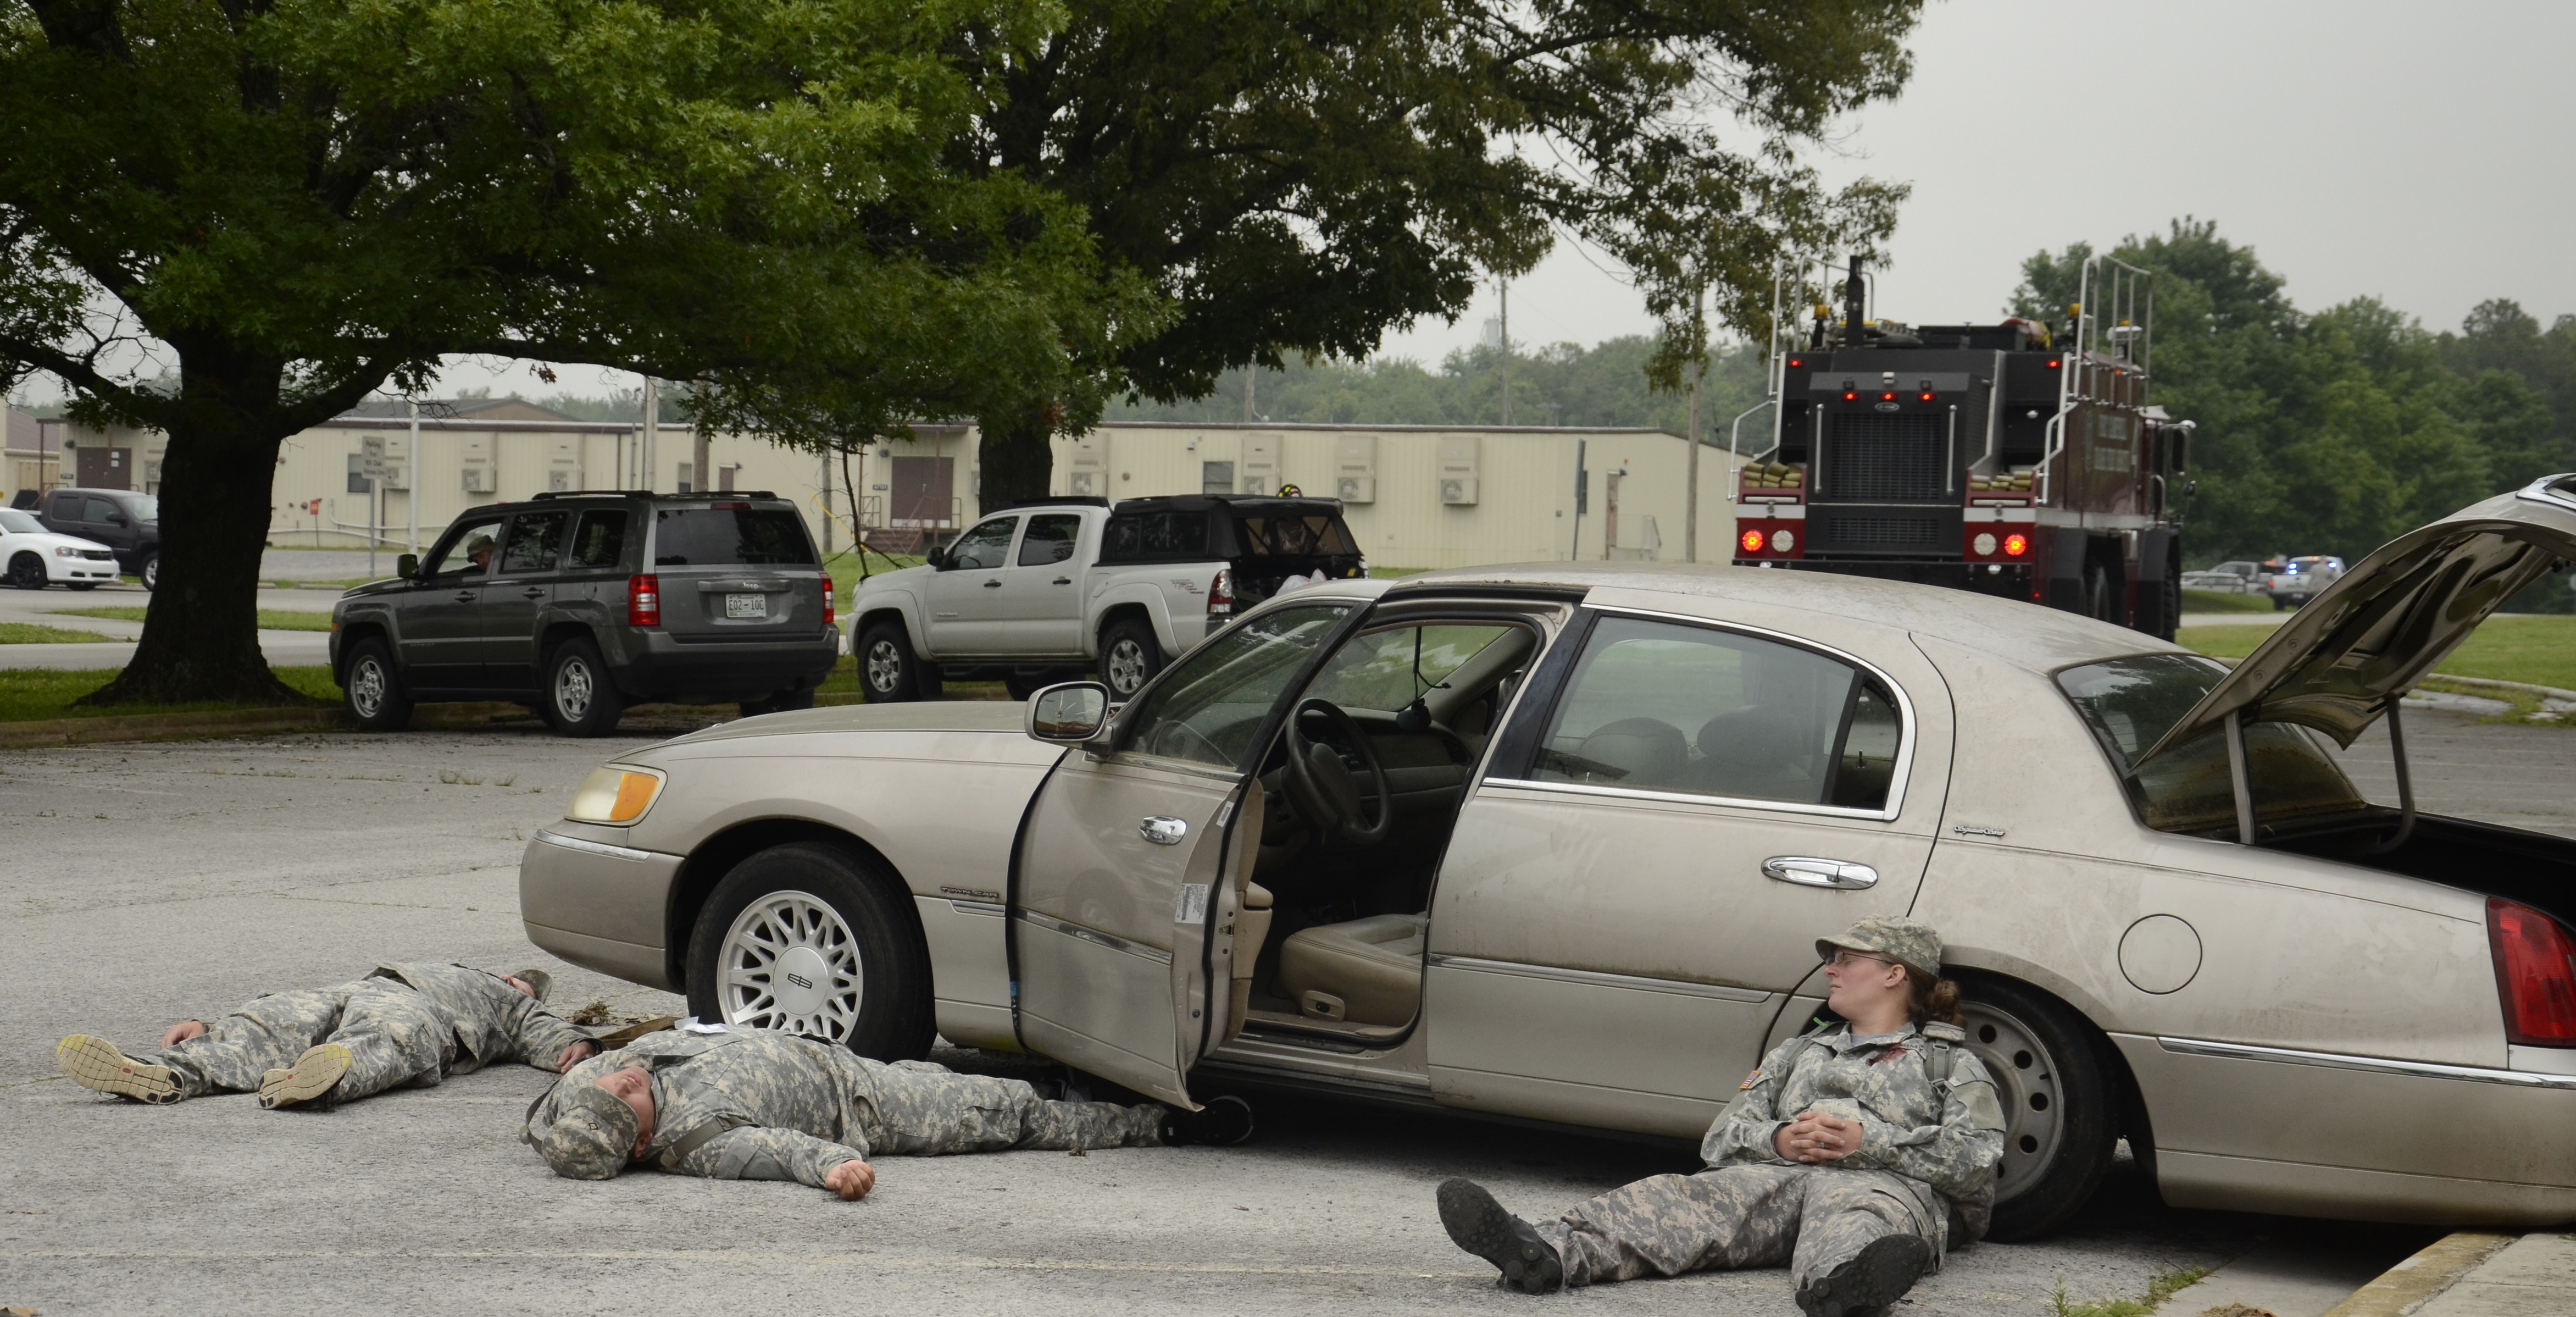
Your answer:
<point x="2534" y="868"/>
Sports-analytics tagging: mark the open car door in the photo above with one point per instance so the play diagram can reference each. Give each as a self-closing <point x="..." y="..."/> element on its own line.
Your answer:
<point x="1135" y="861"/>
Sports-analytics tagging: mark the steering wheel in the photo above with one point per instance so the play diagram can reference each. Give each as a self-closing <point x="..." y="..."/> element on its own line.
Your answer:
<point x="1324" y="789"/>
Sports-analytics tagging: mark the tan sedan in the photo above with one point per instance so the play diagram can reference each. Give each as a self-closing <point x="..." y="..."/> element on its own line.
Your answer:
<point x="1556" y="842"/>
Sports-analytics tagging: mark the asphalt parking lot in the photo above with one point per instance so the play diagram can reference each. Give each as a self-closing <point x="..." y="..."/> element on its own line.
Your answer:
<point x="146" y="883"/>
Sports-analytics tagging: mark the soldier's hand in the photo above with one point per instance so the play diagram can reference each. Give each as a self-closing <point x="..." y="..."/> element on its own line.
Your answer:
<point x="183" y="1031"/>
<point x="1816" y="1137"/>
<point x="851" y="1180"/>
<point x="573" y="1055"/>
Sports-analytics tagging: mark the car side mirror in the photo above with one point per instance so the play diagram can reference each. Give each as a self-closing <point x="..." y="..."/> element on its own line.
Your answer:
<point x="117" y="519"/>
<point x="407" y="566"/>
<point x="1068" y="714"/>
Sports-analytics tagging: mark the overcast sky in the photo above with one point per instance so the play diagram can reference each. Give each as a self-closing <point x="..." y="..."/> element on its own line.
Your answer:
<point x="2416" y="152"/>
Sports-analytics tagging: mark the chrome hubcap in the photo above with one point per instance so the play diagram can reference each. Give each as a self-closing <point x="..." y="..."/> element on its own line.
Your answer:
<point x="885" y="667"/>
<point x="367" y="688"/>
<point x="1126" y="667"/>
<point x="151" y="573"/>
<point x="2026" y="1081"/>
<point x="789" y="963"/>
<point x="573" y="689"/>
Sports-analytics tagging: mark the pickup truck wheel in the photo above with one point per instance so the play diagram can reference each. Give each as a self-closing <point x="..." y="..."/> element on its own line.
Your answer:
<point x="373" y="690"/>
<point x="1129" y="657"/>
<point x="580" y="700"/>
<point x="150" y="570"/>
<point x="807" y="938"/>
<point x="889" y="672"/>
<point x="2061" y="1119"/>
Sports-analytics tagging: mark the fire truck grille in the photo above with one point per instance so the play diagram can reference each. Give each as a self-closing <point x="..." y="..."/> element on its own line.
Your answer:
<point x="1884" y="458"/>
<point x="1834" y="530"/>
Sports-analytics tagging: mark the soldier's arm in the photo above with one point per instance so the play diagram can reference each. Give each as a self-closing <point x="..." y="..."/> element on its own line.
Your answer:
<point x="1954" y="1156"/>
<point x="754" y="1152"/>
<point x="1748" y="1130"/>
<point x="541" y="1034"/>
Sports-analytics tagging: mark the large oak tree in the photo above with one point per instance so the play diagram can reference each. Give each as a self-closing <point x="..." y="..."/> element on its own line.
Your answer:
<point x="290" y="203"/>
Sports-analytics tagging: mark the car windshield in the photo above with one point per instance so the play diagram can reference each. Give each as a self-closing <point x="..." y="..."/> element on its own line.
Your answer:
<point x="145" y="508"/>
<point x="1209" y="707"/>
<point x="730" y="537"/>
<point x="19" y="523"/>
<point x="1387" y="670"/>
<point x="2131" y="703"/>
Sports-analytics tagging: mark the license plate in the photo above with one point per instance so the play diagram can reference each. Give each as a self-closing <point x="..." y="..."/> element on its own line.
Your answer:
<point x="746" y="605"/>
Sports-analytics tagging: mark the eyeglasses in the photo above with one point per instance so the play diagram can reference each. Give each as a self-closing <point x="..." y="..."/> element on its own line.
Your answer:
<point x="1845" y="959"/>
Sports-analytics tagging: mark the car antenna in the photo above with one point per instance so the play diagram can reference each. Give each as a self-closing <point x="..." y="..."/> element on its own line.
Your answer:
<point x="1416" y="716"/>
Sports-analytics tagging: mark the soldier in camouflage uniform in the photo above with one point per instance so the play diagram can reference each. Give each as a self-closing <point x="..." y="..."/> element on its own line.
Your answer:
<point x="1842" y="1156"/>
<point x="754" y="1105"/>
<point x="403" y="1024"/>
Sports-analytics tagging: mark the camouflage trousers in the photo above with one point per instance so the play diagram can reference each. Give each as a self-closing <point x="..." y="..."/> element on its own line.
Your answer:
<point x="1814" y="1218"/>
<point x="393" y="1034"/>
<point x="926" y="1110"/>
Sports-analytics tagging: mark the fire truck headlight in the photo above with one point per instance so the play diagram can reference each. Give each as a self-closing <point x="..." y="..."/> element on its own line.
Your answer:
<point x="1984" y="544"/>
<point x="2016" y="545"/>
<point x="1753" y="541"/>
<point x="1782" y="541"/>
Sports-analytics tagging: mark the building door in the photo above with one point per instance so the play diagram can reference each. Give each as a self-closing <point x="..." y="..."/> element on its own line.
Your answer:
<point x="924" y="494"/>
<point x="106" y="468"/>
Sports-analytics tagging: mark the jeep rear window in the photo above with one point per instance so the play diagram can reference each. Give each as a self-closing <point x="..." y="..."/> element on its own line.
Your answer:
<point x="730" y="537"/>
<point x="1156" y="537"/>
<point x="2131" y="703"/>
<point x="1296" y="537"/>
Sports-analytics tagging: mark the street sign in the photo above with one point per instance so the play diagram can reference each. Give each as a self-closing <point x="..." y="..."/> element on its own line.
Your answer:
<point x="371" y="456"/>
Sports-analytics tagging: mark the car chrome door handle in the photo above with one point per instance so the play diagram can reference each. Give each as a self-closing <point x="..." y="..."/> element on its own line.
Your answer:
<point x="1064" y="580"/>
<point x="1809" y="871"/>
<point x="465" y="596"/>
<point x="1163" y="830"/>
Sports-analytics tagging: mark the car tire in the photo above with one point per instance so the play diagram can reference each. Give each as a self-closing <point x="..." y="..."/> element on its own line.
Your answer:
<point x="27" y="572"/>
<point x="2099" y="603"/>
<point x="839" y="914"/>
<point x="149" y="571"/>
<point x="889" y="672"/>
<point x="580" y="699"/>
<point x="782" y="702"/>
<point x="1020" y="688"/>
<point x="371" y="688"/>
<point x="1129" y="657"/>
<point x="2061" y="1109"/>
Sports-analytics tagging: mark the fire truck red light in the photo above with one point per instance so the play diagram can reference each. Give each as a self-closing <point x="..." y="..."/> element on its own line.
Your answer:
<point x="1753" y="541"/>
<point x="2016" y="545"/>
<point x="1849" y="396"/>
<point x="1927" y="397"/>
<point x="1887" y="397"/>
<point x="2052" y="365"/>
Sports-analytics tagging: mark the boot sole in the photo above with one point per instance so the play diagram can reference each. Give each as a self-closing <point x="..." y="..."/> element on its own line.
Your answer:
<point x="1484" y="1227"/>
<point x="313" y="1075"/>
<point x="1880" y="1274"/>
<point x="94" y="1063"/>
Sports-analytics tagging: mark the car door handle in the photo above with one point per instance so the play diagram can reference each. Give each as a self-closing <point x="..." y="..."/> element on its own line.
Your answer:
<point x="994" y="584"/>
<point x="533" y="593"/>
<point x="1163" y="830"/>
<point x="465" y="596"/>
<point x="1809" y="871"/>
<point x="1064" y="580"/>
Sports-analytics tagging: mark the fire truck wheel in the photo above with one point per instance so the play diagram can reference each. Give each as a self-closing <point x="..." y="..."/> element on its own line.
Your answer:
<point x="2099" y="603"/>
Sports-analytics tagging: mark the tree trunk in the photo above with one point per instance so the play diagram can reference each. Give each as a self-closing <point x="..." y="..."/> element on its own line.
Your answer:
<point x="200" y="633"/>
<point x="1015" y="457"/>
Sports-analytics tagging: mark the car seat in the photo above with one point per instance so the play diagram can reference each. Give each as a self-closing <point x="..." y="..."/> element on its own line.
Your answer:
<point x="1364" y="971"/>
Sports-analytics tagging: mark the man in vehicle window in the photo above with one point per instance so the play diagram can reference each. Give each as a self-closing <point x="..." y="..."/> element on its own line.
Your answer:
<point x="757" y="1105"/>
<point x="402" y="1024"/>
<point x="1842" y="1156"/>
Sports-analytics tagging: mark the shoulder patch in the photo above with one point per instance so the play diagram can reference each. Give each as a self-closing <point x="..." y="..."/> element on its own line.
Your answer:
<point x="1749" y="1081"/>
<point x="1948" y="1033"/>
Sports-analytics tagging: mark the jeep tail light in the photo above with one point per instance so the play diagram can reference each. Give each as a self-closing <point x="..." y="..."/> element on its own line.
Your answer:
<point x="644" y="600"/>
<point x="827" y="599"/>
<point x="1221" y="593"/>
<point x="2535" y="964"/>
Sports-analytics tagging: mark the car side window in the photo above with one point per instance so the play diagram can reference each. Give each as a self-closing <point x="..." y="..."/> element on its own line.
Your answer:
<point x="1208" y="707"/>
<point x="1050" y="539"/>
<point x="464" y="553"/>
<point x="535" y="543"/>
<point x="66" y="507"/>
<point x="987" y="545"/>
<point x="100" y="512"/>
<point x="1663" y="706"/>
<point x="600" y="539"/>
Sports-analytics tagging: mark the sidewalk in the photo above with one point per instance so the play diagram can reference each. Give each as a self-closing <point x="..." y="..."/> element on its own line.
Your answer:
<point x="2474" y="1275"/>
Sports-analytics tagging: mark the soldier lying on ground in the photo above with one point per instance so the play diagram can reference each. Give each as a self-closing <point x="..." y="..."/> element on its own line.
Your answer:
<point x="1890" y="1122"/>
<point x="754" y="1105"/>
<point x="402" y="1024"/>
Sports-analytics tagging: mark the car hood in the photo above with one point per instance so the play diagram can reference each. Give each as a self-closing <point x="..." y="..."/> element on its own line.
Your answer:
<point x="922" y="716"/>
<point x="50" y="539"/>
<point x="899" y="578"/>
<point x="2367" y="639"/>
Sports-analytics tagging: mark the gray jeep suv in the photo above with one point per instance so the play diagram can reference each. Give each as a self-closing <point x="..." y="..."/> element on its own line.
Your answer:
<point x="581" y="604"/>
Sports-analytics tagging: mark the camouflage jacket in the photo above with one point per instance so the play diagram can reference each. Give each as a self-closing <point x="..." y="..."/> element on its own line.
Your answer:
<point x="750" y="1105"/>
<point x="493" y="1021"/>
<point x="1945" y="1136"/>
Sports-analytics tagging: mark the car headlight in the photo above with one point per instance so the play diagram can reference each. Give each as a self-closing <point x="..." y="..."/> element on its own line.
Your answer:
<point x="614" y="795"/>
<point x="65" y="551"/>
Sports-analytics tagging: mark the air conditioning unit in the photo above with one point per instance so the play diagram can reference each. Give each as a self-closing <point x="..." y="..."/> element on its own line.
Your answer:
<point x="1460" y="458"/>
<point x="1260" y="464"/>
<point x="1356" y="489"/>
<point x="1458" y="491"/>
<point x="1355" y="468"/>
<point x="1080" y="485"/>
<point x="559" y="480"/>
<point x="478" y="480"/>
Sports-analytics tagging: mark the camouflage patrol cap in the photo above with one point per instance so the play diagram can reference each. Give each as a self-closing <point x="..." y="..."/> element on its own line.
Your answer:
<point x="590" y="1134"/>
<point x="1909" y="942"/>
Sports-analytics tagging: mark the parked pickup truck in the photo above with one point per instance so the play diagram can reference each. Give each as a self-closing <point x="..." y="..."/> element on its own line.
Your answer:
<point x="1046" y="588"/>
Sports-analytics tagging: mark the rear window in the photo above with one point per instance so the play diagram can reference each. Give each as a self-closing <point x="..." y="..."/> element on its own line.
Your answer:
<point x="2131" y="703"/>
<point x="730" y="537"/>
<point x="1285" y="537"/>
<point x="1156" y="537"/>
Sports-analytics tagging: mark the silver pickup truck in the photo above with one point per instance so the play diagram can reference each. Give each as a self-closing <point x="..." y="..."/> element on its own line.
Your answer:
<point x="1039" y="591"/>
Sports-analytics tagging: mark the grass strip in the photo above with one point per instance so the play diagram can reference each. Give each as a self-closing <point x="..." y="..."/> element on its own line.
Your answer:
<point x="29" y="633"/>
<point x="2537" y="650"/>
<point x="270" y="619"/>
<point x="2213" y="601"/>
<point x="2163" y="1287"/>
<point x="38" y="694"/>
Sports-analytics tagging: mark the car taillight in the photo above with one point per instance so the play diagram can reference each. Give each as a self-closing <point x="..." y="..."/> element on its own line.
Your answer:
<point x="827" y="599"/>
<point x="2535" y="964"/>
<point x="644" y="601"/>
<point x="1221" y="593"/>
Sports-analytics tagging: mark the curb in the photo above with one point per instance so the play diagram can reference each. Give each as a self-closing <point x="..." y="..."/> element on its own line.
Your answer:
<point x="2409" y="1284"/>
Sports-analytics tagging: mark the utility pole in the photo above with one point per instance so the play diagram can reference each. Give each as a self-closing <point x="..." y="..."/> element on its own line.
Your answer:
<point x="411" y="478"/>
<point x="1690" y="464"/>
<point x="652" y="429"/>
<point x="1505" y="285"/>
<point x="701" y="479"/>
<point x="1250" y="369"/>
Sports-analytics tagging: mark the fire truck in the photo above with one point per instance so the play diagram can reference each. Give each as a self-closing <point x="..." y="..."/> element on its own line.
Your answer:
<point x="2011" y="459"/>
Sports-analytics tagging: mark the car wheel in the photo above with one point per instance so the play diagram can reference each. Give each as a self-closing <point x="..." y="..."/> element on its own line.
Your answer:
<point x="580" y="700"/>
<point x="809" y="939"/>
<point x="2099" y="602"/>
<point x="372" y="689"/>
<point x="2061" y="1119"/>
<point x="1129" y="657"/>
<point x="150" y="571"/>
<point x="27" y="572"/>
<point x="2279" y="603"/>
<point x="1020" y="688"/>
<point x="889" y="672"/>
<point x="783" y="702"/>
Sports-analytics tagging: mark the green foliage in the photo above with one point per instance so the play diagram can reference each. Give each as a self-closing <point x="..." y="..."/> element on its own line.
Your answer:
<point x="2163" y="1287"/>
<point x="42" y="694"/>
<point x="2213" y="601"/>
<point x="30" y="633"/>
<point x="2538" y="650"/>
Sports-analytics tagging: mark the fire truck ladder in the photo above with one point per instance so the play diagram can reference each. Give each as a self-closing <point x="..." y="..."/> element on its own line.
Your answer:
<point x="2130" y="294"/>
